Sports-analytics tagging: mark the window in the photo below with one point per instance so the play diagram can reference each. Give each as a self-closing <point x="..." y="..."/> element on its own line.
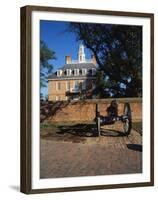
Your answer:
<point x="76" y="72"/>
<point x="68" y="85"/>
<point x="93" y="71"/>
<point x="58" y="86"/>
<point x="93" y="85"/>
<point x="68" y="72"/>
<point x="84" y="85"/>
<point x="59" y="72"/>
<point x="58" y="98"/>
<point x="84" y="72"/>
<point x="76" y="85"/>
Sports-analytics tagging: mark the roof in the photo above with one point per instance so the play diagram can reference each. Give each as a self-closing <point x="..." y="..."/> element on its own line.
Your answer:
<point x="79" y="66"/>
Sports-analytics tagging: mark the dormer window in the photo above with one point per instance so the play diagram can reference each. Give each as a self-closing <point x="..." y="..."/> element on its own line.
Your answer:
<point x="84" y="72"/>
<point x="93" y="71"/>
<point x="76" y="72"/>
<point x="59" y="72"/>
<point x="68" y="72"/>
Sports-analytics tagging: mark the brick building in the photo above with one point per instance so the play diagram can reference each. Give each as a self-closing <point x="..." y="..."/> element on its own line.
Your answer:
<point x="75" y="80"/>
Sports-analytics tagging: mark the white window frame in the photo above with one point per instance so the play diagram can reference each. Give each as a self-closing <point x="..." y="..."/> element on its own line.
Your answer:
<point x="93" y="71"/>
<point x="57" y="98"/>
<point x="57" y="88"/>
<point x="84" y="71"/>
<point x="68" y="89"/>
<point x="76" y="72"/>
<point x="68" y="72"/>
<point x="59" y="72"/>
<point x="76" y="86"/>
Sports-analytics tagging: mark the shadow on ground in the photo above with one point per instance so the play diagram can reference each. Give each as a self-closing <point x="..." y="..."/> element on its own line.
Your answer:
<point x="113" y="133"/>
<point x="77" y="133"/>
<point x="135" y="147"/>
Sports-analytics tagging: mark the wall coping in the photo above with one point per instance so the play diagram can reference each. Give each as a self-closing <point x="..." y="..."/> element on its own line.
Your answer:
<point x="108" y="100"/>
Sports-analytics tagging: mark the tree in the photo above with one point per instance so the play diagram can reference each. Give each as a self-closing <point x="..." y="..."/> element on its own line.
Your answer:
<point x="46" y="68"/>
<point x="118" y="52"/>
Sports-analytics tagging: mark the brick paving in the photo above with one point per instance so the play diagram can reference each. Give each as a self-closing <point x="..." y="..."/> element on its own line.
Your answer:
<point x="111" y="153"/>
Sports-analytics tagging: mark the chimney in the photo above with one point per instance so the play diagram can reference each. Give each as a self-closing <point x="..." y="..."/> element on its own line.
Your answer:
<point x="94" y="59"/>
<point x="67" y="59"/>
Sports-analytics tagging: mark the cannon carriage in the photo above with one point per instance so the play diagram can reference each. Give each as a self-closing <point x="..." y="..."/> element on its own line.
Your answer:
<point x="112" y="117"/>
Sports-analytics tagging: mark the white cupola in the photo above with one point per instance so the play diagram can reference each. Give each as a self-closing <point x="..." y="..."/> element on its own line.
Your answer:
<point x="81" y="54"/>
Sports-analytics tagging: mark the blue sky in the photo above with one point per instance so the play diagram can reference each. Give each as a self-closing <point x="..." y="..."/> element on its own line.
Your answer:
<point x="60" y="40"/>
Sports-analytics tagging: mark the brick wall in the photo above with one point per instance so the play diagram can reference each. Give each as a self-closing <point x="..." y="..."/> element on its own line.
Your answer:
<point x="86" y="110"/>
<point x="53" y="90"/>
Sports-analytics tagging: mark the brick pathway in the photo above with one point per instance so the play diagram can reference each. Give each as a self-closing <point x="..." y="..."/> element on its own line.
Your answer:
<point x="108" y="154"/>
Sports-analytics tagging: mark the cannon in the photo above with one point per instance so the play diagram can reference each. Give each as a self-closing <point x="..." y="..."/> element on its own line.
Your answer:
<point x="112" y="117"/>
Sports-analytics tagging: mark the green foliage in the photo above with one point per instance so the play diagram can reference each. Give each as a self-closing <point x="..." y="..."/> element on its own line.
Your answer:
<point x="46" y="68"/>
<point x="101" y="84"/>
<point x="118" y="52"/>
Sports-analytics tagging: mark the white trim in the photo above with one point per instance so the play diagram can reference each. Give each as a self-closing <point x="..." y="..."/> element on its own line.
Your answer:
<point x="59" y="72"/>
<point x="84" y="71"/>
<point x="76" y="84"/>
<point x="76" y="72"/>
<point x="93" y="71"/>
<point x="57" y="88"/>
<point x="68" y="72"/>
<point x="57" y="98"/>
<point x="72" y="78"/>
<point x="67" y="89"/>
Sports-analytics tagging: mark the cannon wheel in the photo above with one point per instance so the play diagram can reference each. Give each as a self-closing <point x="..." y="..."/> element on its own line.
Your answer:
<point x="127" y="122"/>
